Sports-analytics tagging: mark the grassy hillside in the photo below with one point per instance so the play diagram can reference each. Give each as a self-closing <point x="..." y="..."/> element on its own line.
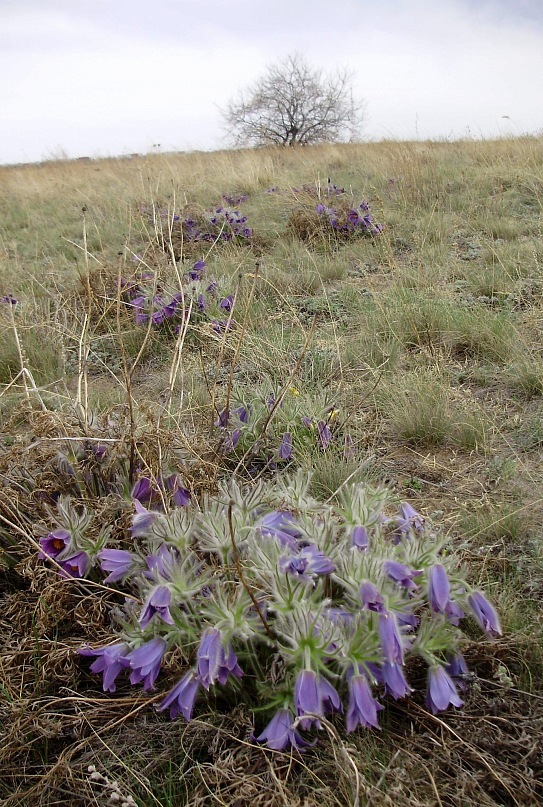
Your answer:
<point x="413" y="335"/>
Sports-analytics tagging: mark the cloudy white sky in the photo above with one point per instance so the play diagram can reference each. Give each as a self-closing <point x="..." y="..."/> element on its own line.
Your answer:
<point x="106" y="77"/>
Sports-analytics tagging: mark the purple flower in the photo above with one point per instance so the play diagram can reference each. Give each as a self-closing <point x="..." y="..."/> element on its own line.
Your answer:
<point x="359" y="537"/>
<point x="242" y="413"/>
<point x="307" y="698"/>
<point x="181" y="495"/>
<point x="157" y="603"/>
<point x="310" y="561"/>
<point x="181" y="698"/>
<point x="213" y="661"/>
<point x="118" y="562"/>
<point x="484" y="613"/>
<point x="285" y="449"/>
<point x="439" y="588"/>
<point x="161" y="564"/>
<point x="232" y="440"/>
<point x="197" y="271"/>
<point x="329" y="697"/>
<point x="54" y="543"/>
<point x="363" y="707"/>
<point x="457" y="668"/>
<point x="279" y="734"/>
<point x="76" y="565"/>
<point x="143" y="490"/>
<point x="409" y="519"/>
<point x="282" y="526"/>
<point x="441" y="691"/>
<point x="401" y="574"/>
<point x="393" y="679"/>
<point x="454" y="613"/>
<point x="141" y="520"/>
<point x="8" y="298"/>
<point x="372" y="600"/>
<point x="111" y="660"/>
<point x="145" y="662"/>
<point x="390" y="638"/>
<point x="227" y="303"/>
<point x="325" y="435"/>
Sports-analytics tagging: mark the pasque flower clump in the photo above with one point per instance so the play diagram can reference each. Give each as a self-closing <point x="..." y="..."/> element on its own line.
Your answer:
<point x="309" y="608"/>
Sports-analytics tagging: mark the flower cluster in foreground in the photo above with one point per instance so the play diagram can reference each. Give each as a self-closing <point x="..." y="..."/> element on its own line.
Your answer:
<point x="307" y="608"/>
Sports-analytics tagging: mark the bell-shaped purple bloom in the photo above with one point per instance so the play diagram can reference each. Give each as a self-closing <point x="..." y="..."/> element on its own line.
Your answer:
<point x="439" y="588"/>
<point x="441" y="691"/>
<point x="197" y="271"/>
<point x="181" y="698"/>
<point x="214" y="662"/>
<point x="76" y="565"/>
<point x="181" y="495"/>
<point x="111" y="660"/>
<point x="363" y="707"/>
<point x="285" y="449"/>
<point x="141" y="520"/>
<point x="330" y="699"/>
<point x="484" y="613"/>
<point x="242" y="413"/>
<point x="157" y="604"/>
<point x="118" y="562"/>
<point x="371" y="598"/>
<point x="280" y="524"/>
<point x="143" y="490"/>
<point x="310" y="561"/>
<point x="390" y="638"/>
<point x="161" y="564"/>
<point x="279" y="734"/>
<point x="53" y="544"/>
<point x="454" y="613"/>
<point x="227" y="303"/>
<point x="145" y="662"/>
<point x="325" y="435"/>
<point x="409" y="519"/>
<point x="307" y="698"/>
<point x="457" y="668"/>
<point x="359" y="537"/>
<point x="401" y="574"/>
<point x="393" y="679"/>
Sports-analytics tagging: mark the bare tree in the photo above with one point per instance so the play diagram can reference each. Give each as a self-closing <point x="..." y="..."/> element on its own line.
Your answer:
<point x="293" y="104"/>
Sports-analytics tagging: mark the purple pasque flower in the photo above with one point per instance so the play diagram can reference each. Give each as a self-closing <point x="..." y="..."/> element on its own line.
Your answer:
<point x="401" y="574"/>
<point x="457" y="668"/>
<point x="53" y="544"/>
<point x="214" y="663"/>
<point x="372" y="599"/>
<point x="161" y="564"/>
<point x="484" y="613"/>
<point x="141" y="520"/>
<point x="285" y="449"/>
<point x="145" y="662"/>
<point x="409" y="519"/>
<point x="308" y="563"/>
<point x="157" y="604"/>
<point x="325" y="435"/>
<point x="242" y="412"/>
<point x="329" y="697"/>
<point x="280" y="524"/>
<point x="307" y="698"/>
<point x="181" y="495"/>
<point x="118" y="562"/>
<point x="76" y="565"/>
<point x="110" y="661"/>
<point x="227" y="303"/>
<point x="232" y="440"/>
<point x="393" y="679"/>
<point x="390" y="638"/>
<point x="359" y="537"/>
<point x="363" y="707"/>
<point x="181" y="698"/>
<point x="8" y="298"/>
<point x="441" y="691"/>
<point x="279" y="733"/>
<point x="143" y="490"/>
<point x="197" y="271"/>
<point x="439" y="588"/>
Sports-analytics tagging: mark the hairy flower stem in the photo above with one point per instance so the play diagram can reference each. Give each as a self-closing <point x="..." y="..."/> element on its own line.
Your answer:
<point x="242" y="578"/>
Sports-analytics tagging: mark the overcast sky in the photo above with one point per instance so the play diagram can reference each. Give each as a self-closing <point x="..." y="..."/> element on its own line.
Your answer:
<point x="107" y="77"/>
